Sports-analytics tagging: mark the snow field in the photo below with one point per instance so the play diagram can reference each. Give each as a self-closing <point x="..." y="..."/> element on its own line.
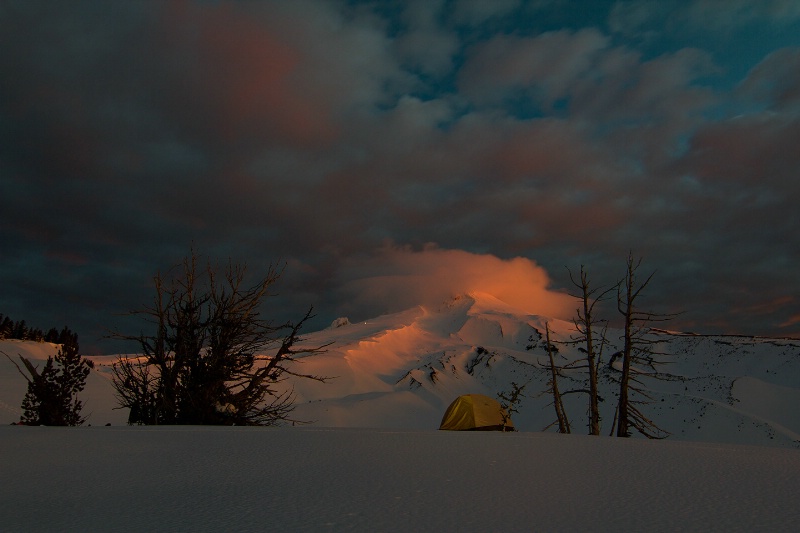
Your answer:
<point x="366" y="480"/>
<point x="402" y="370"/>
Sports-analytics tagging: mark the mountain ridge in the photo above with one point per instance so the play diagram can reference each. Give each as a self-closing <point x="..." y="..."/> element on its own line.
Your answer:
<point x="401" y="370"/>
<point x="477" y="343"/>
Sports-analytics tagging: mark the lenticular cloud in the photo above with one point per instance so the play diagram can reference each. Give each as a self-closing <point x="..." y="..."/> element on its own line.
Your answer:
<point x="396" y="278"/>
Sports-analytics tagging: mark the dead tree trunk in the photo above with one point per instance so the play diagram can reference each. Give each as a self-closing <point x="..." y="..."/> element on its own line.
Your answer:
<point x="636" y="348"/>
<point x="584" y="324"/>
<point x="561" y="414"/>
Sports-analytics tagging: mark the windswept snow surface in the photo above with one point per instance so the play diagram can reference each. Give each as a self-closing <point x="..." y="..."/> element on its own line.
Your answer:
<point x="121" y="479"/>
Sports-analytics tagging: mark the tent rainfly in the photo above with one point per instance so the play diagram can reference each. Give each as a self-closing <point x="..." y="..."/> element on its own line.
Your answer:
<point x="476" y="412"/>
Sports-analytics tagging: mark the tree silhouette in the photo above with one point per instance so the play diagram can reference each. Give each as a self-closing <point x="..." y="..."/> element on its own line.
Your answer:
<point x="51" y="397"/>
<point x="203" y="362"/>
<point x="637" y="349"/>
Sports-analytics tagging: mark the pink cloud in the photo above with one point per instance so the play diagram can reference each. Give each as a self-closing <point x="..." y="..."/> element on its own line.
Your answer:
<point x="232" y="71"/>
<point x="791" y="321"/>
<point x="396" y="278"/>
<point x="757" y="150"/>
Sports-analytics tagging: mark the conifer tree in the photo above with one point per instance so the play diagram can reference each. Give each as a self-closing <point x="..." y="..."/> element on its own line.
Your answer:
<point x="51" y="398"/>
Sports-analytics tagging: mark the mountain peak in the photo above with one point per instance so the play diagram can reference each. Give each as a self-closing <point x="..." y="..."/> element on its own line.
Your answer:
<point x="479" y="302"/>
<point x="488" y="303"/>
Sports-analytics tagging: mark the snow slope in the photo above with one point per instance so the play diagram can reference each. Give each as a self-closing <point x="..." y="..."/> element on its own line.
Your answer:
<point x="373" y="461"/>
<point x="99" y="403"/>
<point x="402" y="370"/>
<point x="366" y="480"/>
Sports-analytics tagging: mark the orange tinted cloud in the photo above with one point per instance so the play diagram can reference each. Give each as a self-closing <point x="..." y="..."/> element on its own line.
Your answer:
<point x="792" y="320"/>
<point x="397" y="278"/>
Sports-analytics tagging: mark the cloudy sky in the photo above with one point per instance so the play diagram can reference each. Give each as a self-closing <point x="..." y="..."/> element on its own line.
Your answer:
<point x="391" y="152"/>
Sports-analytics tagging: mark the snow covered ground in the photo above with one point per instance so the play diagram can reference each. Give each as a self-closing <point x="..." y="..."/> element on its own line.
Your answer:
<point x="314" y="479"/>
<point x="402" y="370"/>
<point x="373" y="461"/>
<point x="98" y="396"/>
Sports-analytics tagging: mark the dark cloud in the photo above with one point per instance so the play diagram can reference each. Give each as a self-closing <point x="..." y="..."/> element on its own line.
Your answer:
<point x="642" y="17"/>
<point x="314" y="133"/>
<point x="775" y="82"/>
<point x="545" y="67"/>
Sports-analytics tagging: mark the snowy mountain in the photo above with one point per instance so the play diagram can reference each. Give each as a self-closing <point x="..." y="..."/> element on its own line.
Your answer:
<point x="402" y="370"/>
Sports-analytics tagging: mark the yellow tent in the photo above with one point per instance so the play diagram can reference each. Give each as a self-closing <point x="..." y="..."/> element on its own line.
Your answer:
<point x="476" y="412"/>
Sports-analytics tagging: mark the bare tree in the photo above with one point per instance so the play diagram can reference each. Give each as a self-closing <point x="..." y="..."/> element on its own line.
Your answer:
<point x="136" y="383"/>
<point x="558" y="404"/>
<point x="585" y="322"/>
<point x="509" y="400"/>
<point x="201" y="364"/>
<point x="636" y="349"/>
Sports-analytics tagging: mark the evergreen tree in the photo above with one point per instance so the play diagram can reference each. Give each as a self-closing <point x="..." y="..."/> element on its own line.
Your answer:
<point x="66" y="336"/>
<point x="51" y="398"/>
<point x="6" y="327"/>
<point x="20" y="330"/>
<point x="51" y="336"/>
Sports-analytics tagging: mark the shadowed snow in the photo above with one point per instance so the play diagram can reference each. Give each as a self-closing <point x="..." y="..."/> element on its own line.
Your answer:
<point x="300" y="479"/>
